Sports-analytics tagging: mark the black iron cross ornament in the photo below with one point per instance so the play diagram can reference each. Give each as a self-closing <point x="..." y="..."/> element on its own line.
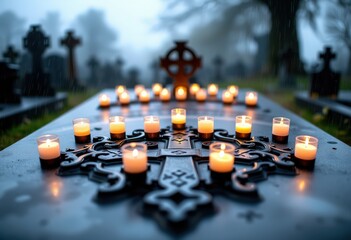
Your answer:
<point x="178" y="186"/>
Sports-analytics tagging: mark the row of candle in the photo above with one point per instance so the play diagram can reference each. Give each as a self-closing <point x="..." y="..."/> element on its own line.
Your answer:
<point x="164" y="94"/>
<point x="305" y="146"/>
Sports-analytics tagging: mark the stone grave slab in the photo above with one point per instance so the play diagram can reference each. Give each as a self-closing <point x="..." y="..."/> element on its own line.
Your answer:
<point x="38" y="203"/>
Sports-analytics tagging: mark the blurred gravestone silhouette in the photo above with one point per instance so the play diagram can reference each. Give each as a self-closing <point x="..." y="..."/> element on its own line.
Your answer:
<point x="94" y="65"/>
<point x="8" y="77"/>
<point x="71" y="43"/>
<point x="133" y="77"/>
<point x="325" y="82"/>
<point x="54" y="64"/>
<point x="119" y="71"/>
<point x="10" y="55"/>
<point x="218" y="64"/>
<point x="37" y="83"/>
<point x="108" y="76"/>
<point x="285" y="71"/>
<point x="155" y="67"/>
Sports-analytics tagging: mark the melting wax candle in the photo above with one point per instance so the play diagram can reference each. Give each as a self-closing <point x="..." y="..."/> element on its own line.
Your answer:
<point x="134" y="158"/>
<point x="280" y="129"/>
<point x="221" y="157"/>
<point x="243" y="127"/>
<point x="178" y="118"/>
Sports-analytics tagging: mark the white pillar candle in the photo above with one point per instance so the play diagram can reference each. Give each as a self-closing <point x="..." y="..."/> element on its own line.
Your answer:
<point x="157" y="88"/>
<point x="104" y="100"/>
<point x="151" y="124"/>
<point x="221" y="157"/>
<point x="144" y="96"/>
<point x="81" y="127"/>
<point x="124" y="98"/>
<point x="306" y="147"/>
<point x="180" y="93"/>
<point x="201" y="95"/>
<point x="212" y="89"/>
<point x="205" y="124"/>
<point x="48" y="147"/>
<point x="234" y="90"/>
<point x="194" y="88"/>
<point x="227" y="97"/>
<point x="134" y="157"/>
<point x="251" y="99"/>
<point x="178" y="116"/>
<point x="165" y="95"/>
<point x="243" y="124"/>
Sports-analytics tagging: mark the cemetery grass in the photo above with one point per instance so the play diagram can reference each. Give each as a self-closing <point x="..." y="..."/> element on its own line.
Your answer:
<point x="12" y="135"/>
<point x="286" y="98"/>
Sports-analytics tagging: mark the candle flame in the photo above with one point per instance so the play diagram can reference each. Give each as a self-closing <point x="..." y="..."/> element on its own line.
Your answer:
<point x="232" y="89"/>
<point x="103" y="97"/>
<point x="164" y="91"/>
<point x="251" y="95"/>
<point x="181" y="91"/>
<point x="281" y="121"/>
<point x="48" y="141"/>
<point x="243" y="119"/>
<point x="227" y="94"/>
<point x="307" y="141"/>
<point x="143" y="93"/>
<point x="135" y="153"/>
<point x="222" y="146"/>
<point x="221" y="153"/>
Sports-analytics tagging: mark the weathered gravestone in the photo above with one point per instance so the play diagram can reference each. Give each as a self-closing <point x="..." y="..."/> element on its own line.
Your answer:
<point x="10" y="55"/>
<point x="37" y="83"/>
<point x="71" y="43"/>
<point x="8" y="77"/>
<point x="54" y="64"/>
<point x="218" y="63"/>
<point x="285" y="72"/>
<point x="180" y="63"/>
<point x="326" y="82"/>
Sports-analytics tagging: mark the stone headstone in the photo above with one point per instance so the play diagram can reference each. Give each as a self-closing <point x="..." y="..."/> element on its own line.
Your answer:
<point x="37" y="83"/>
<point x="8" y="77"/>
<point x="180" y="63"/>
<point x="285" y="71"/>
<point x="218" y="63"/>
<point x="10" y="55"/>
<point x="71" y="43"/>
<point x="325" y="82"/>
<point x="94" y="64"/>
<point x="55" y="65"/>
<point x="119" y="71"/>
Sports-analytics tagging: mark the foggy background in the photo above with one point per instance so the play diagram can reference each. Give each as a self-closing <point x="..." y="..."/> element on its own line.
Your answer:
<point x="139" y="32"/>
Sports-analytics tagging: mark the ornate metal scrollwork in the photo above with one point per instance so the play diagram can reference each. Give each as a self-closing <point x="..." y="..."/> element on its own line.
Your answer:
<point x="178" y="185"/>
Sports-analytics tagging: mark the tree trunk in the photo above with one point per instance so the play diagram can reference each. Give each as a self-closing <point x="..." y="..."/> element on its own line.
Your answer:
<point x="283" y="35"/>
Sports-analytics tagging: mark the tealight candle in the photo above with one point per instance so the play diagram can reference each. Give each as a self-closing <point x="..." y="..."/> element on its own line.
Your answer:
<point x="124" y="98"/>
<point x="134" y="158"/>
<point x="49" y="150"/>
<point x="212" y="89"/>
<point x="251" y="99"/>
<point x="178" y="118"/>
<point x="243" y="127"/>
<point x="194" y="88"/>
<point x="157" y="88"/>
<point x="305" y="151"/>
<point x="144" y="96"/>
<point x="119" y="90"/>
<point x="152" y="127"/>
<point x="138" y="88"/>
<point x="180" y="93"/>
<point x="104" y="100"/>
<point x="221" y="157"/>
<point x="205" y="127"/>
<point x="81" y="129"/>
<point x="117" y="128"/>
<point x="234" y="90"/>
<point x="201" y="95"/>
<point x="165" y="95"/>
<point x="227" y="97"/>
<point x="280" y="129"/>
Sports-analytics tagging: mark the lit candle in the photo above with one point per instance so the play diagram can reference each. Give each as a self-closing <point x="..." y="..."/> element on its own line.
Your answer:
<point x="152" y="127"/>
<point x="227" y="97"/>
<point x="243" y="127"/>
<point x="194" y="88"/>
<point x="49" y="150"/>
<point x="81" y="129"/>
<point x="178" y="118"/>
<point x="165" y="95"/>
<point x="144" y="96"/>
<point x="138" y="88"/>
<point x="280" y="129"/>
<point x="104" y="100"/>
<point x="117" y="128"/>
<point x="124" y="98"/>
<point x="251" y="99"/>
<point x="201" y="95"/>
<point x="134" y="158"/>
<point x="221" y="157"/>
<point x="180" y="93"/>
<point x="234" y="90"/>
<point x="157" y="88"/>
<point x="205" y="127"/>
<point x="119" y="90"/>
<point x="212" y="89"/>
<point x="305" y="151"/>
